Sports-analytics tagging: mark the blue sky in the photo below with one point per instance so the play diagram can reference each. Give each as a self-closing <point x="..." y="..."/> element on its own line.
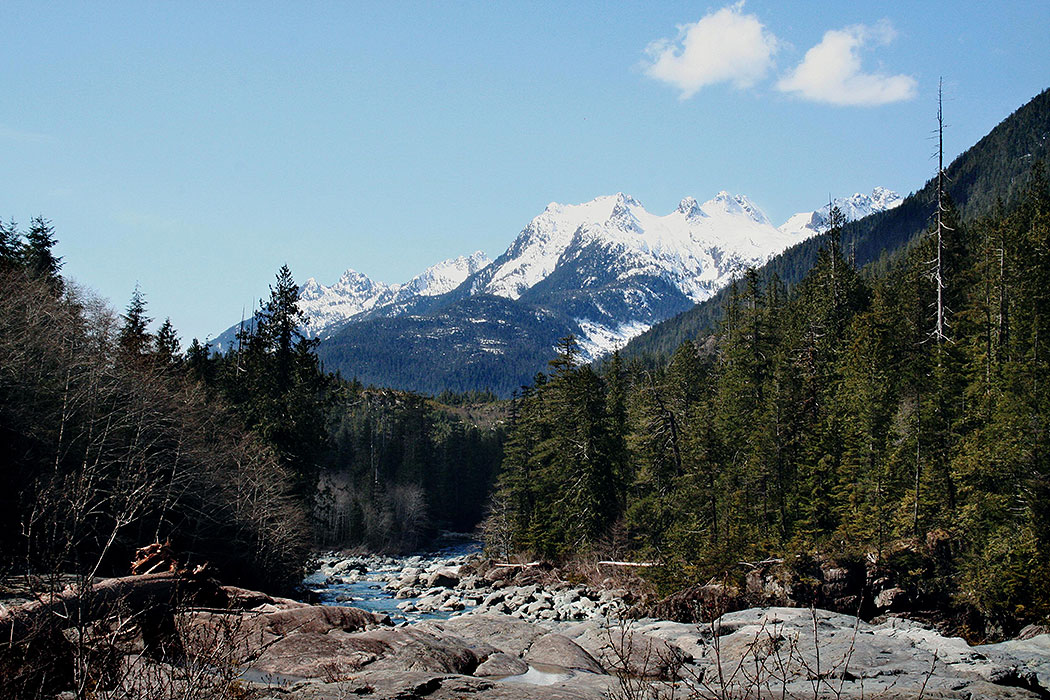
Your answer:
<point x="195" y="147"/>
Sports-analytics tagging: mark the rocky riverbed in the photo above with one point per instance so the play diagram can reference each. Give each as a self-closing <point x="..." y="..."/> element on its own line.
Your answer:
<point x="460" y="630"/>
<point x="457" y="581"/>
<point x="452" y="625"/>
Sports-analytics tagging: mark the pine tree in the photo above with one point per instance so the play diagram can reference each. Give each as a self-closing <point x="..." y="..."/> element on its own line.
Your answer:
<point x="10" y="246"/>
<point x="199" y="362"/>
<point x="166" y="346"/>
<point x="37" y="256"/>
<point x="134" y="340"/>
<point x="274" y="377"/>
<point x="864" y="406"/>
<point x="279" y="326"/>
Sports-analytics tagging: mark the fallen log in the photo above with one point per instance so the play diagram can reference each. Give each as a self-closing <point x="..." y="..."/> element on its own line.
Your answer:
<point x="628" y="563"/>
<point x="36" y="650"/>
<point x="512" y="565"/>
<point x="129" y="595"/>
<point x="764" y="562"/>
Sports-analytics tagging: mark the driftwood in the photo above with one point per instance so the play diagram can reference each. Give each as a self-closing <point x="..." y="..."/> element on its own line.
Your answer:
<point x="628" y="563"/>
<point x="37" y="655"/>
<point x="154" y="558"/>
<point x="141" y="597"/>
<point x="512" y="565"/>
<point x="764" y="562"/>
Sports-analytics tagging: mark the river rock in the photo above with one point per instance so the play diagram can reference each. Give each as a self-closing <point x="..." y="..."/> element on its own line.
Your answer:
<point x="415" y="648"/>
<point x="500" y="664"/>
<point x="555" y="649"/>
<point x="1026" y="653"/>
<point x="626" y="649"/>
<point x="443" y="578"/>
<point x="509" y="635"/>
<point x="898" y="658"/>
<point x="409" y="686"/>
<point x="499" y="573"/>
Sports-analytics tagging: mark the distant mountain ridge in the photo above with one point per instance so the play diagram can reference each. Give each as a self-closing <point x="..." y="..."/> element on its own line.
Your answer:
<point x="605" y="270"/>
<point x="853" y="208"/>
<point x="355" y="296"/>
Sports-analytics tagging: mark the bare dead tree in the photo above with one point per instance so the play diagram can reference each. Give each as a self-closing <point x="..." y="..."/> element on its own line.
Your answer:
<point x="941" y="323"/>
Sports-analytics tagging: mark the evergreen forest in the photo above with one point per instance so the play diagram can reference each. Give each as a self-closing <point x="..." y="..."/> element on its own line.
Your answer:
<point x="901" y="416"/>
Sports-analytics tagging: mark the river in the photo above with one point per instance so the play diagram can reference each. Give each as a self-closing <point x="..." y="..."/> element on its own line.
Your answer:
<point x="360" y="580"/>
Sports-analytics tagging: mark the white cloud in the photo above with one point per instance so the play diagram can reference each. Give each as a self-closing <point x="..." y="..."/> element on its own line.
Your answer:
<point x="831" y="71"/>
<point x="724" y="46"/>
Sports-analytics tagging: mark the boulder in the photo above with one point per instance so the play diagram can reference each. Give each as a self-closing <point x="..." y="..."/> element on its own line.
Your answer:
<point x="333" y="656"/>
<point x="387" y="685"/>
<point x="443" y="578"/>
<point x="554" y="649"/>
<point x="506" y="634"/>
<point x="501" y="665"/>
<point x="629" y="650"/>
<point x="416" y="648"/>
<point x="499" y="573"/>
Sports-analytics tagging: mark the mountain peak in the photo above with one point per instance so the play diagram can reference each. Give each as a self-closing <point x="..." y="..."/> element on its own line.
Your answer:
<point x="737" y="204"/>
<point x="689" y="207"/>
<point x="854" y="207"/>
<point x="626" y="200"/>
<point x="351" y="275"/>
<point x="446" y="275"/>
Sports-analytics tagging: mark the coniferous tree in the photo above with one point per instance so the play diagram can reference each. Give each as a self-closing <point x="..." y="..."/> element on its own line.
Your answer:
<point x="37" y="256"/>
<point x="166" y="346"/>
<point x="199" y="362"/>
<point x="10" y="246"/>
<point x="274" y="378"/>
<point x="134" y="340"/>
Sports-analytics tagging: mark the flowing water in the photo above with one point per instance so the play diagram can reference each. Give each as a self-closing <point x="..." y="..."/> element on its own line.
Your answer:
<point x="369" y="592"/>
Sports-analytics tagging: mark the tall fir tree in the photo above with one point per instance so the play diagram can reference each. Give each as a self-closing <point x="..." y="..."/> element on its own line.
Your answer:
<point x="134" y="340"/>
<point x="37" y="256"/>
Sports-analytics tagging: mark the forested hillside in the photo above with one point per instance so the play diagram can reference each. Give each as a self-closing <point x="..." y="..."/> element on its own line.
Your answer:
<point x="837" y="418"/>
<point x="112" y="438"/>
<point x="992" y="171"/>
<point x="108" y="445"/>
<point x="402" y="464"/>
<point x="480" y="341"/>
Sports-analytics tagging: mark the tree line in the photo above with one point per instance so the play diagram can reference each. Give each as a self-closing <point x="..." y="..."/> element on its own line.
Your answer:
<point x="108" y="445"/>
<point x="113" y="437"/>
<point x="857" y="415"/>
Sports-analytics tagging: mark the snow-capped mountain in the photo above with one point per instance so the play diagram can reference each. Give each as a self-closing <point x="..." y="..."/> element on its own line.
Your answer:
<point x="856" y="207"/>
<point x="444" y="277"/>
<point x="605" y="270"/>
<point x="615" y="268"/>
<point x="329" y="307"/>
<point x="355" y="295"/>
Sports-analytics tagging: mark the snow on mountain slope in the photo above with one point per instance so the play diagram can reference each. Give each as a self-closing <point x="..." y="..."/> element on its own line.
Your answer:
<point x="353" y="294"/>
<point x="856" y="207"/>
<point x="445" y="276"/>
<point x="608" y="267"/>
<point x="616" y="268"/>
<point x="694" y="245"/>
<point x="329" y="307"/>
